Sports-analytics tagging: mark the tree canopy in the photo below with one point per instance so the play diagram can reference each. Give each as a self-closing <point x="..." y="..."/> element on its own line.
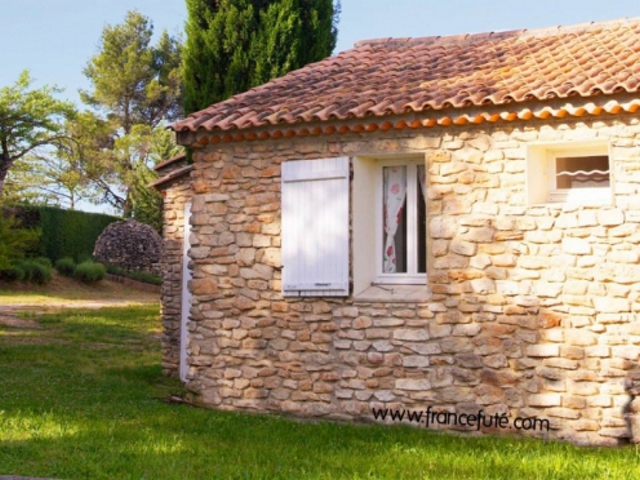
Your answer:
<point x="135" y="82"/>
<point x="29" y="119"/>
<point x="137" y="86"/>
<point x="233" y="45"/>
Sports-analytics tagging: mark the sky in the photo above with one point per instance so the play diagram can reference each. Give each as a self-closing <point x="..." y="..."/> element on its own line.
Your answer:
<point x="54" y="39"/>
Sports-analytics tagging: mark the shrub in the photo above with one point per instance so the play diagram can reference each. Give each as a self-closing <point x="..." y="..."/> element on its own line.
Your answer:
<point x="14" y="241"/>
<point x="139" y="276"/>
<point x="84" y="258"/>
<point x="66" y="266"/>
<point x="90" y="272"/>
<point x="36" y="271"/>
<point x="12" y="273"/>
<point x="43" y="261"/>
<point x="65" y="233"/>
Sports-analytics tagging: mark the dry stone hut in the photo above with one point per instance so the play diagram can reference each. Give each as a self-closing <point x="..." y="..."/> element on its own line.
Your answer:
<point x="448" y="224"/>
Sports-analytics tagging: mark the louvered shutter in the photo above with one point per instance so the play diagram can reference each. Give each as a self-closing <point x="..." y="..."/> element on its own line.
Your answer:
<point x="315" y="227"/>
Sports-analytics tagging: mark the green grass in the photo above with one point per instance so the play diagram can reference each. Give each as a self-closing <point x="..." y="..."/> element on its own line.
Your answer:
<point x="80" y="399"/>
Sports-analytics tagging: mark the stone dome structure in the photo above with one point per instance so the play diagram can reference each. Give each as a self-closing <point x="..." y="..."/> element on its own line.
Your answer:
<point x="130" y="245"/>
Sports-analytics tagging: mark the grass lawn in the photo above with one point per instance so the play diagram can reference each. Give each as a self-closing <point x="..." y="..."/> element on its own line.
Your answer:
<point x="80" y="399"/>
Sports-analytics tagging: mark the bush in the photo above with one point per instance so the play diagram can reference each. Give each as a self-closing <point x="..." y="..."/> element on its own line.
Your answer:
<point x="90" y="272"/>
<point x="12" y="273"/>
<point x="36" y="271"/>
<point x="65" y="233"/>
<point x="14" y="241"/>
<point x="66" y="266"/>
<point x="143" y="277"/>
<point x="43" y="261"/>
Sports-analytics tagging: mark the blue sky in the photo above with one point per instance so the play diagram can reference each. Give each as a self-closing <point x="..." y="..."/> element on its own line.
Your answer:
<point x="55" y="38"/>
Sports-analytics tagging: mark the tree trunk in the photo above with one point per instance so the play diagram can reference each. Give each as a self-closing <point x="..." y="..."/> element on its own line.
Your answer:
<point x="128" y="206"/>
<point x="5" y="164"/>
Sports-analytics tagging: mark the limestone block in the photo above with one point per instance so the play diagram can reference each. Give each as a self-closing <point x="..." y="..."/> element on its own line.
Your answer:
<point x="479" y="235"/>
<point x="437" y="330"/>
<point x="468" y="360"/>
<point x="452" y="167"/>
<point x="504" y="260"/>
<point x="544" y="400"/>
<point x="480" y="261"/>
<point x="451" y="261"/>
<point x="581" y="338"/>
<point x="383" y="346"/>
<point x="496" y="361"/>
<point x="424" y="348"/>
<point x="576" y="246"/>
<point x="412" y="335"/>
<point x="623" y="256"/>
<point x="587" y="218"/>
<point x="610" y="218"/>
<point x="543" y="351"/>
<point x="483" y="286"/>
<point x="442" y="227"/>
<point x="415" y="361"/>
<point x="412" y="384"/>
<point x="460" y="247"/>
<point x="611" y="305"/>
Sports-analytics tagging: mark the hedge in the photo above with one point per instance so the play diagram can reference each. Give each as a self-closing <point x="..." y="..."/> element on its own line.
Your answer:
<point x="65" y="233"/>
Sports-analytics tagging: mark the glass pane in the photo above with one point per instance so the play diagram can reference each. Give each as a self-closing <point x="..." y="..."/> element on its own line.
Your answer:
<point x="394" y="255"/>
<point x="582" y="172"/>
<point x="422" y="222"/>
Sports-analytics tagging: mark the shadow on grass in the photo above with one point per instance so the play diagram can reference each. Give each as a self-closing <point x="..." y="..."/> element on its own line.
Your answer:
<point x="74" y="411"/>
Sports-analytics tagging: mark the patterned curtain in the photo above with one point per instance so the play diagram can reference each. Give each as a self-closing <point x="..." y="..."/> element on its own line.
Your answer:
<point x="395" y="192"/>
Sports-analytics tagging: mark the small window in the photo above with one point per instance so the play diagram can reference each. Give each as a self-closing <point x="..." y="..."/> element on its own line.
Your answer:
<point x="569" y="173"/>
<point x="401" y="210"/>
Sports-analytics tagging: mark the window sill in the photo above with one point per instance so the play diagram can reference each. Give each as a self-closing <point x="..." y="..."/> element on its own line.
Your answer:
<point x="394" y="294"/>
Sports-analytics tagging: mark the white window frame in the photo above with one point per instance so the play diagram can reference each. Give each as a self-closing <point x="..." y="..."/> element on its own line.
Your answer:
<point x="412" y="277"/>
<point x="541" y="174"/>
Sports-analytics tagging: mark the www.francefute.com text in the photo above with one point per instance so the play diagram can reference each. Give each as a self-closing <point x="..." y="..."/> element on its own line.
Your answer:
<point x="477" y="420"/>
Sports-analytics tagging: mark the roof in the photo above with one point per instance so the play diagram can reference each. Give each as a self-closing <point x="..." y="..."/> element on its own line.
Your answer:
<point x="170" y="162"/>
<point x="173" y="175"/>
<point x="379" y="79"/>
<point x="170" y="169"/>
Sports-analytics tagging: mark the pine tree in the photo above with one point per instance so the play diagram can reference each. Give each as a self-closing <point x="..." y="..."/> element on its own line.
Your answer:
<point x="137" y="86"/>
<point x="233" y="45"/>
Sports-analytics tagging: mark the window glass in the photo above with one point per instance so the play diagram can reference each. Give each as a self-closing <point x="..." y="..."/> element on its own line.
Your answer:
<point x="582" y="172"/>
<point x="421" y="241"/>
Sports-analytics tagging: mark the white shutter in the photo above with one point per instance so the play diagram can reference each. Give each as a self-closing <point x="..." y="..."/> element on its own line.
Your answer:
<point x="315" y="227"/>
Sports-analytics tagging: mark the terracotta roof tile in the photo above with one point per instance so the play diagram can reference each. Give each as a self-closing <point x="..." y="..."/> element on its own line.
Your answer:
<point x="384" y="77"/>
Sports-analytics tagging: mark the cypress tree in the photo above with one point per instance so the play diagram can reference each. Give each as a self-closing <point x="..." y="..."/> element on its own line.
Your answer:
<point x="233" y="45"/>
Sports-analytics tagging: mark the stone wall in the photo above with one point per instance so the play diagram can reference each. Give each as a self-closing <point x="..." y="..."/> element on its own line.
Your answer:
<point x="176" y="194"/>
<point x="533" y="309"/>
<point x="130" y="245"/>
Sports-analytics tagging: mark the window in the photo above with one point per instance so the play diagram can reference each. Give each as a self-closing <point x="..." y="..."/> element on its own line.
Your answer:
<point x="401" y="216"/>
<point x="569" y="173"/>
<point x="379" y="216"/>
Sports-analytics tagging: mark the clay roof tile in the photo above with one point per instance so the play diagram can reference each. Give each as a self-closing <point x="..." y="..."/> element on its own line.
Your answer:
<point x="388" y="76"/>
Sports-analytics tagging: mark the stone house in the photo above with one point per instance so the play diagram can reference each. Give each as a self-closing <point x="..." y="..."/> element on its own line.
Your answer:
<point x="448" y="224"/>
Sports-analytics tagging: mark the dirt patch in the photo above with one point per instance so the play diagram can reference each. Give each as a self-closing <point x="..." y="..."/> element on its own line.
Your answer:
<point x="61" y="294"/>
<point x="66" y="292"/>
<point x="15" y="322"/>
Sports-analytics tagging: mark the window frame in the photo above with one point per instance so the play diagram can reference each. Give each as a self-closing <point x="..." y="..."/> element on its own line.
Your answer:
<point x="412" y="277"/>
